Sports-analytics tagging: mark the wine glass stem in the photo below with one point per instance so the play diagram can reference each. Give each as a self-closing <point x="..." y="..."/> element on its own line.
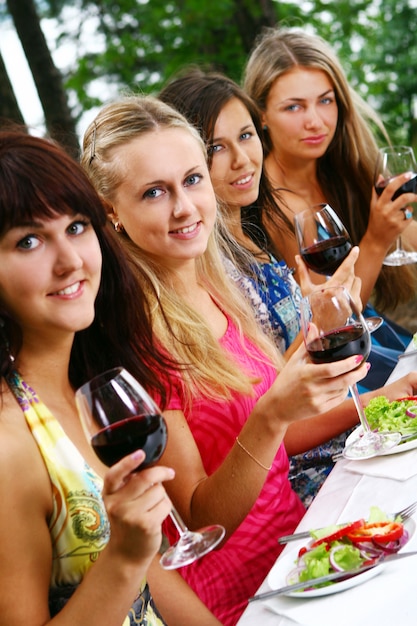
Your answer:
<point x="358" y="404"/>
<point x="399" y="244"/>
<point x="178" y="523"/>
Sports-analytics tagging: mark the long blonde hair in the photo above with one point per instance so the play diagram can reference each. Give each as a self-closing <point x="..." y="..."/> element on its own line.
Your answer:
<point x="346" y="171"/>
<point x="208" y="369"/>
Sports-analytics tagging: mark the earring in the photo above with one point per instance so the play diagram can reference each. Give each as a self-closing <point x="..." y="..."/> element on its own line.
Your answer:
<point x="265" y="127"/>
<point x="118" y="226"/>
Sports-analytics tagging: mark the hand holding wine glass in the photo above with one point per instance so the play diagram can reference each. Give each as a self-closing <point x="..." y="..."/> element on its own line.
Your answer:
<point x="393" y="161"/>
<point x="324" y="243"/>
<point x="119" y="417"/>
<point x="334" y="329"/>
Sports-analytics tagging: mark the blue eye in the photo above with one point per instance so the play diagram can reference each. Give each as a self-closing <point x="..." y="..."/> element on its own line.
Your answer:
<point x="153" y="193"/>
<point x="193" y="179"/>
<point x="213" y="149"/>
<point x="292" y="107"/>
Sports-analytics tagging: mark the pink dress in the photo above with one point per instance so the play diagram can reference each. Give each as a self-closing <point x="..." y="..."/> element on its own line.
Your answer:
<point x="224" y="579"/>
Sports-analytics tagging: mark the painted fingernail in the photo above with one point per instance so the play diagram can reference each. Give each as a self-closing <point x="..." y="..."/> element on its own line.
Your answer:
<point x="368" y="366"/>
<point x="358" y="358"/>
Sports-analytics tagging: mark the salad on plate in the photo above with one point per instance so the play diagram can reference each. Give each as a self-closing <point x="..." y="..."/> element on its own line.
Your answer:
<point x="396" y="416"/>
<point x="345" y="547"/>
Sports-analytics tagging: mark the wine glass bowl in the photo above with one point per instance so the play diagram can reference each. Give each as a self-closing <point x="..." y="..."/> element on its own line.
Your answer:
<point x="119" y="417"/>
<point x="324" y="243"/>
<point x="333" y="326"/>
<point x="323" y="240"/>
<point x="335" y="329"/>
<point x="391" y="162"/>
<point x="134" y="422"/>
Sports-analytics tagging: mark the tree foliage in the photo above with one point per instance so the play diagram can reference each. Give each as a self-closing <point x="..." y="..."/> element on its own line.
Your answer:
<point x="139" y="44"/>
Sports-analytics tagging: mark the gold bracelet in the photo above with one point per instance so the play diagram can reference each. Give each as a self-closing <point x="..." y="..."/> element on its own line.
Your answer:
<point x="251" y="456"/>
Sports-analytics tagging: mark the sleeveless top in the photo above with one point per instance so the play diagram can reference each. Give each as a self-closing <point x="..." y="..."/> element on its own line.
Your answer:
<point x="78" y="526"/>
<point x="224" y="579"/>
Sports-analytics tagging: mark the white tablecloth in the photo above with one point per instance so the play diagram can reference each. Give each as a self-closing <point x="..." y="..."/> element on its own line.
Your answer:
<point x="386" y="600"/>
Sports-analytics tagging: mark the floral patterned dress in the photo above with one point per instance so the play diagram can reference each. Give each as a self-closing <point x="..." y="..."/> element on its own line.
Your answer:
<point x="79" y="526"/>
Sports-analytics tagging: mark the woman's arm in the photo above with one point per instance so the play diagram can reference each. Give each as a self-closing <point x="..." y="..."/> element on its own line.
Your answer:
<point x="301" y="390"/>
<point x="386" y="224"/>
<point x="306" y="434"/>
<point x="175" y="600"/>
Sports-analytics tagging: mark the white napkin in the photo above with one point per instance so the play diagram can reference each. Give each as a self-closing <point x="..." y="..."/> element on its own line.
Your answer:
<point x="401" y="466"/>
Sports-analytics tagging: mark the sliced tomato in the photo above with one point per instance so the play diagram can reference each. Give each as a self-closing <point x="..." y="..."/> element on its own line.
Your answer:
<point x="338" y="534"/>
<point x="383" y="532"/>
<point x="302" y="551"/>
<point x="407" y="398"/>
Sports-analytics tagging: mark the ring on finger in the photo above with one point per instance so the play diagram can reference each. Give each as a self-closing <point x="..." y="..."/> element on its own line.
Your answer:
<point x="408" y="214"/>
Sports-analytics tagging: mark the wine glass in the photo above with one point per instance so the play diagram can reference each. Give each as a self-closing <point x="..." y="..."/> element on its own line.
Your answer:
<point x="391" y="162"/>
<point x="119" y="417"/>
<point x="323" y="240"/>
<point x="335" y="329"/>
<point x="324" y="243"/>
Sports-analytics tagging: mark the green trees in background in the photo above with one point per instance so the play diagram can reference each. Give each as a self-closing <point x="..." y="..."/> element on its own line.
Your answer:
<point x="139" y="44"/>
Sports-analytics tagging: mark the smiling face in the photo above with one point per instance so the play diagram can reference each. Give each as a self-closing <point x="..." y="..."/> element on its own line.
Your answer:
<point x="236" y="156"/>
<point x="50" y="274"/>
<point x="165" y="201"/>
<point x="301" y="114"/>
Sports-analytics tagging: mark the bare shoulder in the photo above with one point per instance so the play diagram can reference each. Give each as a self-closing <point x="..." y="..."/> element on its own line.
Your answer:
<point x="25" y="493"/>
<point x="22" y="471"/>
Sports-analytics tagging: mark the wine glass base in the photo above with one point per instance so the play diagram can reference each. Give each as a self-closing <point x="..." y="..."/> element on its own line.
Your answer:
<point x="400" y="257"/>
<point x="370" y="445"/>
<point x="192" y="546"/>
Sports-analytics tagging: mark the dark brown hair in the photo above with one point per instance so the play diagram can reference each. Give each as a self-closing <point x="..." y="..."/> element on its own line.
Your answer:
<point x="39" y="180"/>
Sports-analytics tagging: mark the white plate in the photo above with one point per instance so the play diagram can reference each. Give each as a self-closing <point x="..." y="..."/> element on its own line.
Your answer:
<point x="279" y="572"/>
<point x="401" y="447"/>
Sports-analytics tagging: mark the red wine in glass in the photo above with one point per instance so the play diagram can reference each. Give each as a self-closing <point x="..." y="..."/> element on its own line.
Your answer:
<point x="391" y="162"/>
<point x="119" y="417"/>
<point x="323" y="241"/>
<point x="140" y="432"/>
<point x="324" y="257"/>
<point x="339" y="344"/>
<point x="335" y="329"/>
<point x="410" y="186"/>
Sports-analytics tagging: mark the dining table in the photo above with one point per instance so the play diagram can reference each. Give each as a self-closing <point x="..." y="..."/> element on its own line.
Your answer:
<point x="389" y="596"/>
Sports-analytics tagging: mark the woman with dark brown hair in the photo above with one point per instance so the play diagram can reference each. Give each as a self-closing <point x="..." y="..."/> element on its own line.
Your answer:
<point x="78" y="538"/>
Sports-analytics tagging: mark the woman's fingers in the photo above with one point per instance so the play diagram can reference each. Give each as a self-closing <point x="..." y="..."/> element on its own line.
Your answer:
<point x="120" y="474"/>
